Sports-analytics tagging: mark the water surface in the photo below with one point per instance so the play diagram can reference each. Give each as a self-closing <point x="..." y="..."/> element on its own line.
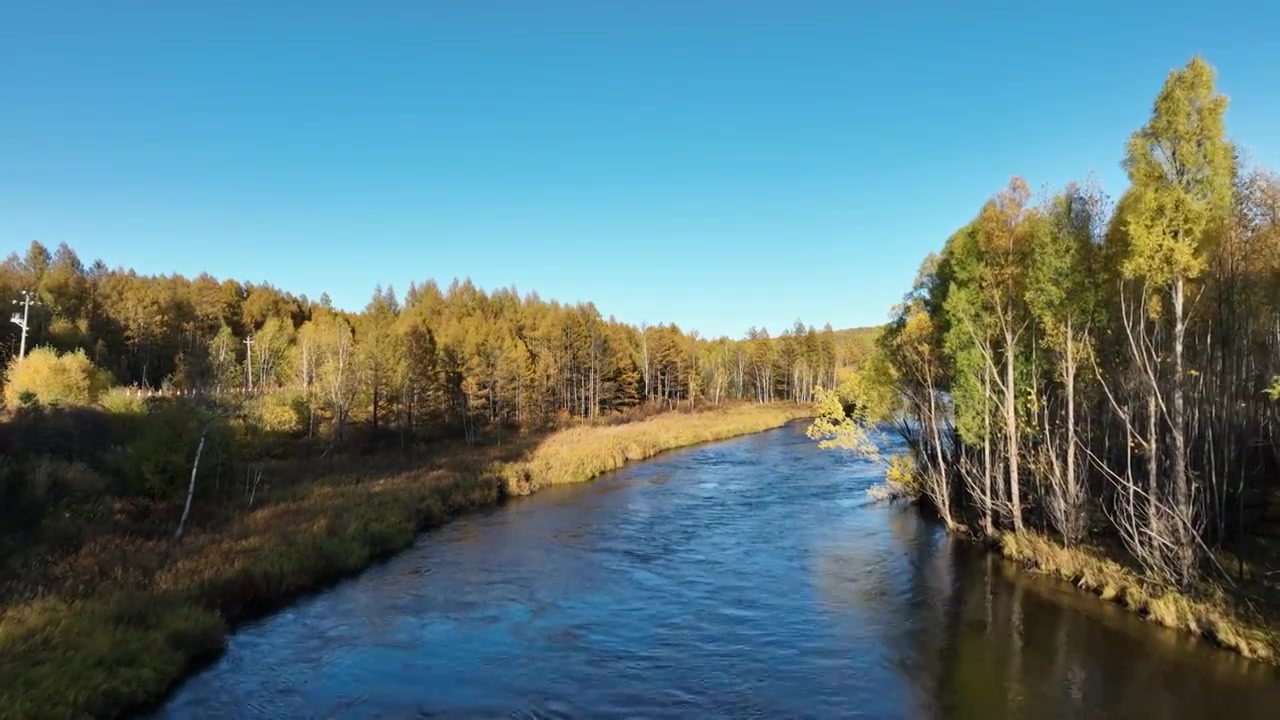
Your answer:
<point x="747" y="578"/>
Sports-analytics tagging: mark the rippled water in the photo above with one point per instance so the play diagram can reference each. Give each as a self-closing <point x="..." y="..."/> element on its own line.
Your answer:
<point x="742" y="579"/>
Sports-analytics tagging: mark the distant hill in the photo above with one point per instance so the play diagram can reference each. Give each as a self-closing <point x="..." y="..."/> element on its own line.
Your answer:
<point x="856" y="343"/>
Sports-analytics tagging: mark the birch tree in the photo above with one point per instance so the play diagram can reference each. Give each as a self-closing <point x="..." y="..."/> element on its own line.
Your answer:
<point x="1180" y="165"/>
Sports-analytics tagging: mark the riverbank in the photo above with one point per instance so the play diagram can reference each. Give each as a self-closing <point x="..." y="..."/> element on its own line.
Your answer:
<point x="582" y="454"/>
<point x="667" y="588"/>
<point x="1212" y="616"/>
<point x="131" y="616"/>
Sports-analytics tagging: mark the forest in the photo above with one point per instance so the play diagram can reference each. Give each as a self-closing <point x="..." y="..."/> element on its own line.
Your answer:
<point x="129" y="379"/>
<point x="1104" y="374"/>
<point x="450" y="361"/>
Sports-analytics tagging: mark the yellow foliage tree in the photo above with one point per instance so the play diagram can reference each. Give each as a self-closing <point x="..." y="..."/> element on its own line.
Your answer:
<point x="46" y="377"/>
<point x="280" y="413"/>
<point x="833" y="427"/>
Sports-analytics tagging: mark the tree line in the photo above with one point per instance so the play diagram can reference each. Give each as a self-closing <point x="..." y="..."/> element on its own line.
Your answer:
<point x="1096" y="368"/>
<point x="454" y="360"/>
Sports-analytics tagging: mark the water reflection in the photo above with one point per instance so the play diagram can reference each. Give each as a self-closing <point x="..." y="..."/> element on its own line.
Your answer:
<point x="744" y="579"/>
<point x="976" y="638"/>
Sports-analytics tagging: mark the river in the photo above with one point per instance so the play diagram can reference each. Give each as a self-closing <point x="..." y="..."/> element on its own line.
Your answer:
<point x="747" y="578"/>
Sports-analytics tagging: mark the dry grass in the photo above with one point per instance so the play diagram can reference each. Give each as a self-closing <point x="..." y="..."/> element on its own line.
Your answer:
<point x="126" y="617"/>
<point x="1210" y="615"/>
<point x="582" y="454"/>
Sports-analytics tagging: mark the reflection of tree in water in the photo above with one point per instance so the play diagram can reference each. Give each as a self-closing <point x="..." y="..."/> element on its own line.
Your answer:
<point x="1014" y="651"/>
<point x="868" y="567"/>
<point x="974" y="639"/>
<point x="892" y="582"/>
<point x="968" y="642"/>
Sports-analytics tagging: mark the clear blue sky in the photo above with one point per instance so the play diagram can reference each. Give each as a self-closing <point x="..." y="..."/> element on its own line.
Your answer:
<point x="717" y="164"/>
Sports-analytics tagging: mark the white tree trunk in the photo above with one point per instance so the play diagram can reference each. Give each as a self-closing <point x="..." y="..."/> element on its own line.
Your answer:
<point x="191" y="487"/>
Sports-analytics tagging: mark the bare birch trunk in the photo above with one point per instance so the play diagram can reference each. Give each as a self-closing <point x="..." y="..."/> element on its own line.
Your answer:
<point x="191" y="487"/>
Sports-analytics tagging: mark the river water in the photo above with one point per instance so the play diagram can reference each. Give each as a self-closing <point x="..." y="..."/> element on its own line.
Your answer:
<point x="747" y="578"/>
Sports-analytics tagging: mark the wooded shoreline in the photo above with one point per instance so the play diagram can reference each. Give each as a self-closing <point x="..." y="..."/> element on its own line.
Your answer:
<point x="1094" y="386"/>
<point x="147" y="611"/>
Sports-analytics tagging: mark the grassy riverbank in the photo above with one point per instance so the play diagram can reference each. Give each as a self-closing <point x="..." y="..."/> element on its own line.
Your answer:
<point x="581" y="454"/>
<point x="1212" y="614"/>
<point x="126" y="617"/>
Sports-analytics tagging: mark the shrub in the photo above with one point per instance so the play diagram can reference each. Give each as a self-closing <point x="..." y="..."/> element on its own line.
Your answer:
<point x="80" y="434"/>
<point x="53" y="379"/>
<point x="159" y="457"/>
<point x="279" y="413"/>
<point x="52" y="502"/>
<point x="122" y="401"/>
<point x="901" y="482"/>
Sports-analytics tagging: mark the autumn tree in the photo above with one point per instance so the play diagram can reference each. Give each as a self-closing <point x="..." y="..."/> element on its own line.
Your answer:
<point x="46" y="377"/>
<point x="330" y="337"/>
<point x="271" y="345"/>
<point x="421" y="386"/>
<point x="379" y="350"/>
<point x="1006" y="225"/>
<point x="1180" y="165"/>
<point x="1063" y="295"/>
<point x="919" y="378"/>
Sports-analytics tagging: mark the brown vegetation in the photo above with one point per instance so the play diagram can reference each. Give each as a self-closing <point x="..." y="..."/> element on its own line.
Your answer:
<point x="117" y="622"/>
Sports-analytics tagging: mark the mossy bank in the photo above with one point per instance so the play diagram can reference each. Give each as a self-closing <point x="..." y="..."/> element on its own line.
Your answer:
<point x="128" y="617"/>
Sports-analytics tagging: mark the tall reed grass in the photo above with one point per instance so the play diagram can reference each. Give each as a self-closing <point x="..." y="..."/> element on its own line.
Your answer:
<point x="582" y="454"/>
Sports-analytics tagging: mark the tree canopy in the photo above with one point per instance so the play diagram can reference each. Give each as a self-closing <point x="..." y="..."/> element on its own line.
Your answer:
<point x="1065" y="360"/>
<point x="435" y="360"/>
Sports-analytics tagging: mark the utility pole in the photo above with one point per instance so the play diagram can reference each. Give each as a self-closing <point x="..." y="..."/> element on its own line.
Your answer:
<point x="248" y="343"/>
<point x="21" y="321"/>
